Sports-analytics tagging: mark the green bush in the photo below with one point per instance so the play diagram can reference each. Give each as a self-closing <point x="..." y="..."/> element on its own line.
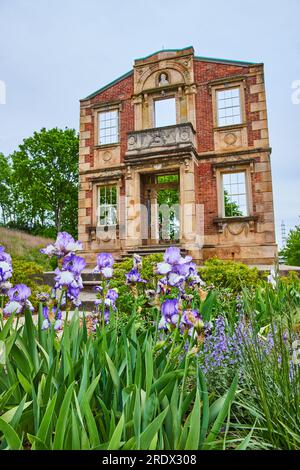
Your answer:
<point x="27" y="272"/>
<point x="230" y="275"/>
<point x="126" y="299"/>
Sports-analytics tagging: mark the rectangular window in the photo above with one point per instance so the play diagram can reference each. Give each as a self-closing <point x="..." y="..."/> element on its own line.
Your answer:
<point x="108" y="209"/>
<point x="228" y="107"/>
<point x="235" y="194"/>
<point x="165" y="112"/>
<point x="108" y="127"/>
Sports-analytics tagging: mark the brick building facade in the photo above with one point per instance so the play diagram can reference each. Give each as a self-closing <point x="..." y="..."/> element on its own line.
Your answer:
<point x="187" y="131"/>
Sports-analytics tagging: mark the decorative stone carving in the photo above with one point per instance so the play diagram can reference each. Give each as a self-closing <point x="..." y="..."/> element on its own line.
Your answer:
<point x="180" y="134"/>
<point x="230" y="138"/>
<point x="107" y="156"/>
<point x="227" y="139"/>
<point x="163" y="79"/>
<point x="236" y="227"/>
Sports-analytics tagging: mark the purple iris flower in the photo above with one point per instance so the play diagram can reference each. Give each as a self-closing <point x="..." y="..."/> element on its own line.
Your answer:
<point x="63" y="245"/>
<point x="105" y="260"/>
<point x="112" y="294"/>
<point x="189" y="318"/>
<point x="169" y="308"/>
<point x="64" y="278"/>
<point x="163" y="268"/>
<point x="58" y="320"/>
<point x="133" y="277"/>
<point x="5" y="271"/>
<point x="172" y="255"/>
<point x="73" y="263"/>
<point x="4" y="256"/>
<point x="19" y="293"/>
<point x="18" y="300"/>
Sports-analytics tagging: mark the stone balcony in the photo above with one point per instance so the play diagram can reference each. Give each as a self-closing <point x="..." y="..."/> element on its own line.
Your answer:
<point x="161" y="140"/>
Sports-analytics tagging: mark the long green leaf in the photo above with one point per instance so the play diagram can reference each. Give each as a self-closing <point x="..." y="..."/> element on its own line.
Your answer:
<point x="11" y="437"/>
<point x="62" y="419"/>
<point x="114" y="443"/>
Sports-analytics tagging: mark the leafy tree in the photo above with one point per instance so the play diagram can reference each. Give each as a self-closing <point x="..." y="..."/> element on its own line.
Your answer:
<point x="5" y="176"/>
<point x="231" y="208"/>
<point x="45" y="179"/>
<point x="291" y="252"/>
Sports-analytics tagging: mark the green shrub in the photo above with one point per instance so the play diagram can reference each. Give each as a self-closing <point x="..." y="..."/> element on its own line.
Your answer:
<point x="230" y="275"/>
<point x="27" y="272"/>
<point x="126" y="299"/>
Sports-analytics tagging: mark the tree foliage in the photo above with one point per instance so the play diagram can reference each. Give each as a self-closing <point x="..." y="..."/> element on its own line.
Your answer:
<point x="5" y="177"/>
<point x="42" y="183"/>
<point x="291" y="252"/>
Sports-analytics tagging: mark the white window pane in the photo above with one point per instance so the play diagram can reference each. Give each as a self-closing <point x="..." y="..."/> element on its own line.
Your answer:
<point x="165" y="112"/>
<point x="237" y="120"/>
<point x="235" y="92"/>
<point x="108" y="127"/>
<point x="235" y="197"/>
<point x="228" y="105"/>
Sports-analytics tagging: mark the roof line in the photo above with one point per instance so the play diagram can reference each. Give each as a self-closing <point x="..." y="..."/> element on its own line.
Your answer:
<point x="205" y="59"/>
<point x="225" y="61"/>
<point x="108" y="85"/>
<point x="163" y="50"/>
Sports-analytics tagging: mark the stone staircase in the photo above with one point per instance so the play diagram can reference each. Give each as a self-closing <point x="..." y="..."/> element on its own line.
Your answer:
<point x="150" y="250"/>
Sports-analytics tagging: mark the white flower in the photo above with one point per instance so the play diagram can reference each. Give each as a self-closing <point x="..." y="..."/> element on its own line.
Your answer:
<point x="163" y="268"/>
<point x="272" y="278"/>
<point x="175" y="279"/>
<point x="45" y="324"/>
<point x="12" y="307"/>
<point x="73" y="246"/>
<point x="107" y="272"/>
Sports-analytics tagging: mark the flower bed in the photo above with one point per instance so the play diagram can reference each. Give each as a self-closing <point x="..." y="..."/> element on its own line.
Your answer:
<point x="188" y="366"/>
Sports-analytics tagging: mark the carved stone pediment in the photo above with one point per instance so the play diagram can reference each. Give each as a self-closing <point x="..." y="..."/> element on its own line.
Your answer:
<point x="169" y="136"/>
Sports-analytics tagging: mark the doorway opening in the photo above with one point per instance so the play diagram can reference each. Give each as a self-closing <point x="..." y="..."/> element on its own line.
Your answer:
<point x="161" y="197"/>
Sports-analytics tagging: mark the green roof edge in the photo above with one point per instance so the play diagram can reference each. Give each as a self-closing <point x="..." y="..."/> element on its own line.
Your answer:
<point x="225" y="61"/>
<point x="205" y="59"/>
<point x="127" y="74"/>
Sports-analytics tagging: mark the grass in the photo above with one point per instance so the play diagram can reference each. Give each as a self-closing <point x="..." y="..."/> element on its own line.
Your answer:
<point x="25" y="247"/>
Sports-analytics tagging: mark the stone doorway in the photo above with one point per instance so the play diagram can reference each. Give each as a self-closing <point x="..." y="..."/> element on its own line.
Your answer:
<point x="160" y="197"/>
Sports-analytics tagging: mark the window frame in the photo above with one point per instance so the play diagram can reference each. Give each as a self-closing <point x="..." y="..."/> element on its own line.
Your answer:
<point x="223" y="195"/>
<point x="164" y="98"/>
<point x="218" y="109"/>
<point x="102" y="111"/>
<point x="99" y="205"/>
<point x="224" y="87"/>
<point x="246" y="169"/>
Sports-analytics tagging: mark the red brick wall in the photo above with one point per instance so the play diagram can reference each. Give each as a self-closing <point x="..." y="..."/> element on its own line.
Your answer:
<point x="205" y="72"/>
<point x="205" y="180"/>
<point x="121" y="91"/>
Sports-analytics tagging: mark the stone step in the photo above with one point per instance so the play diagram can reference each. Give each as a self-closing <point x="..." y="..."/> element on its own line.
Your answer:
<point x="150" y="250"/>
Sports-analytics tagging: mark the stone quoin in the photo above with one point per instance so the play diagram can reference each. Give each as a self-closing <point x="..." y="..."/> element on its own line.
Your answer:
<point x="176" y="151"/>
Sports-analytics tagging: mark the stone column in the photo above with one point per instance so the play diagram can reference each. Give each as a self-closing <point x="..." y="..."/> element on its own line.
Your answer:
<point x="189" y="226"/>
<point x="154" y="228"/>
<point x="132" y="209"/>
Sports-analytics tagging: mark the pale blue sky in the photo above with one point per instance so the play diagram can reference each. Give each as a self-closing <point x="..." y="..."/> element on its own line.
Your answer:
<point x="54" y="52"/>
